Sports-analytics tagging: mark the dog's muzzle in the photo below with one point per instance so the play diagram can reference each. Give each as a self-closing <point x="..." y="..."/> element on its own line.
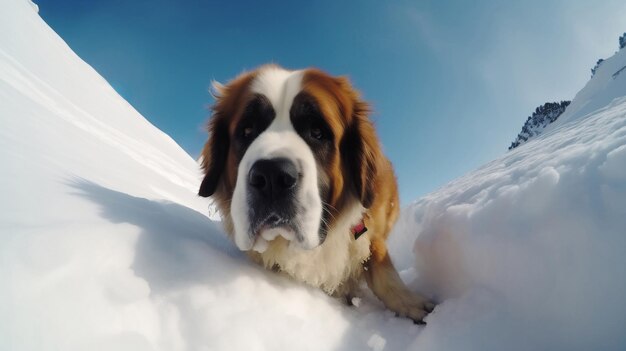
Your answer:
<point x="272" y="187"/>
<point x="273" y="180"/>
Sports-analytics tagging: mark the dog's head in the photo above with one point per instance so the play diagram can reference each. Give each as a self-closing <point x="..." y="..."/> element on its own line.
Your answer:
<point x="287" y="152"/>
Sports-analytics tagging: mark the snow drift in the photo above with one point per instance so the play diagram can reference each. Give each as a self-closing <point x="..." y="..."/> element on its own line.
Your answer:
<point x="527" y="252"/>
<point x="106" y="246"/>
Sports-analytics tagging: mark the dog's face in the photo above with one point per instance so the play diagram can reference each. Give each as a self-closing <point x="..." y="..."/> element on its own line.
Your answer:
<point x="288" y="150"/>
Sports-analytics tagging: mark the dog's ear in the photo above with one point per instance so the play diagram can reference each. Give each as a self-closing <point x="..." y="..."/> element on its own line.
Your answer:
<point x="214" y="155"/>
<point x="215" y="152"/>
<point x="361" y="150"/>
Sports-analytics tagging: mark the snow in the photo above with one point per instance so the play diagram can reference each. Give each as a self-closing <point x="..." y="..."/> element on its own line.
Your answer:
<point x="528" y="251"/>
<point x="376" y="342"/>
<point x="607" y="84"/>
<point x="106" y="246"/>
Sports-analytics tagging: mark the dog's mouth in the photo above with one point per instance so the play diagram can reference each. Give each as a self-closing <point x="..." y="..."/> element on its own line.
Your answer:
<point x="270" y="228"/>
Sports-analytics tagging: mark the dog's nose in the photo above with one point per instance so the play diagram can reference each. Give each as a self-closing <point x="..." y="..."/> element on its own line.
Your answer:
<point x="274" y="178"/>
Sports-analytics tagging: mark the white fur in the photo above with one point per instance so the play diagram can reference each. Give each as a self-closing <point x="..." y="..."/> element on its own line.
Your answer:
<point x="328" y="265"/>
<point x="279" y="140"/>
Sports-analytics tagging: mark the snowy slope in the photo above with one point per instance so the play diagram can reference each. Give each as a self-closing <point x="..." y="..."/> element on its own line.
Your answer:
<point x="597" y="93"/>
<point x="607" y="84"/>
<point x="105" y="245"/>
<point x="528" y="252"/>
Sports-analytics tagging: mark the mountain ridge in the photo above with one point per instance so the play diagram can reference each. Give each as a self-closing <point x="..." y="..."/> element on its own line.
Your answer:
<point x="548" y="113"/>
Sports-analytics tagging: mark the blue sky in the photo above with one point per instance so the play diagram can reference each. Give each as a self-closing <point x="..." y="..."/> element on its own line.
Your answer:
<point x="451" y="82"/>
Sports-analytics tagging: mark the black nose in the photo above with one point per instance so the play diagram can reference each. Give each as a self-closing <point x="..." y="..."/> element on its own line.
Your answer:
<point x="274" y="178"/>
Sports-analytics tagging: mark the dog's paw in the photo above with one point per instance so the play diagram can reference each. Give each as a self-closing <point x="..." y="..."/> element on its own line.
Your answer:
<point x="411" y="306"/>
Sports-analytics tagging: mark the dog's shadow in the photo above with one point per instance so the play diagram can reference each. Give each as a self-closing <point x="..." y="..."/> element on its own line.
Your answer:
<point x="177" y="246"/>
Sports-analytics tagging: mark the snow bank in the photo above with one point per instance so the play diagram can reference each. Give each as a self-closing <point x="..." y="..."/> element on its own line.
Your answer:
<point x="527" y="253"/>
<point x="105" y="245"/>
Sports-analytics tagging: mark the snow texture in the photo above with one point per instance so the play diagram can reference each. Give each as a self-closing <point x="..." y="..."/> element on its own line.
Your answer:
<point x="105" y="245"/>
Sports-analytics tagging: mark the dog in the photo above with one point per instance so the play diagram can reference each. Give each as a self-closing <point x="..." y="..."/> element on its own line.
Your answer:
<point x="296" y="170"/>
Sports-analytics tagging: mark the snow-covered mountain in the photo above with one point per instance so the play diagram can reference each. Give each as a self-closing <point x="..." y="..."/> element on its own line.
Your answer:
<point x="105" y="245"/>
<point x="598" y="92"/>
<point x="606" y="85"/>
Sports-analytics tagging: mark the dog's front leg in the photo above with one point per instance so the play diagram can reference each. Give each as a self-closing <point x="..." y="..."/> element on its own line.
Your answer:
<point x="383" y="279"/>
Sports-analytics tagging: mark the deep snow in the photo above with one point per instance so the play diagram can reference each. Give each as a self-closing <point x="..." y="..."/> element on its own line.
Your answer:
<point x="106" y="246"/>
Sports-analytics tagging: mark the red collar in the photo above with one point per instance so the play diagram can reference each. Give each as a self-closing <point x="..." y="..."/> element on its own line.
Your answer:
<point x="358" y="229"/>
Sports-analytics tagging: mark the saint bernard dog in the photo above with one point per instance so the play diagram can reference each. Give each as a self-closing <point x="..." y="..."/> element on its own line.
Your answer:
<point x="297" y="172"/>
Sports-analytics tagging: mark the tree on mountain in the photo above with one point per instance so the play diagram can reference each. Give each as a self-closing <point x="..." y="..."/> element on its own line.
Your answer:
<point x="622" y="44"/>
<point x="539" y="120"/>
<point x="595" y="68"/>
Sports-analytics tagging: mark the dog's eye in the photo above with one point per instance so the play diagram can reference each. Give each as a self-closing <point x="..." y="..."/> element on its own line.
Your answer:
<point x="247" y="132"/>
<point x="316" y="133"/>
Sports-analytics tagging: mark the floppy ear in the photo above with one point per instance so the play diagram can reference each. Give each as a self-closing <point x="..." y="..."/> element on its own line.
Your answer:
<point x="214" y="155"/>
<point x="215" y="152"/>
<point x="361" y="149"/>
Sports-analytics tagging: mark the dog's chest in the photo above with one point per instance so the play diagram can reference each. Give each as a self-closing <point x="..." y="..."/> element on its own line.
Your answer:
<point x="338" y="259"/>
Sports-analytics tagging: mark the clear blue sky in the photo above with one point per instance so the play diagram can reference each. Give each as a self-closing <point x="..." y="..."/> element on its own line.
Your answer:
<point x="451" y="82"/>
